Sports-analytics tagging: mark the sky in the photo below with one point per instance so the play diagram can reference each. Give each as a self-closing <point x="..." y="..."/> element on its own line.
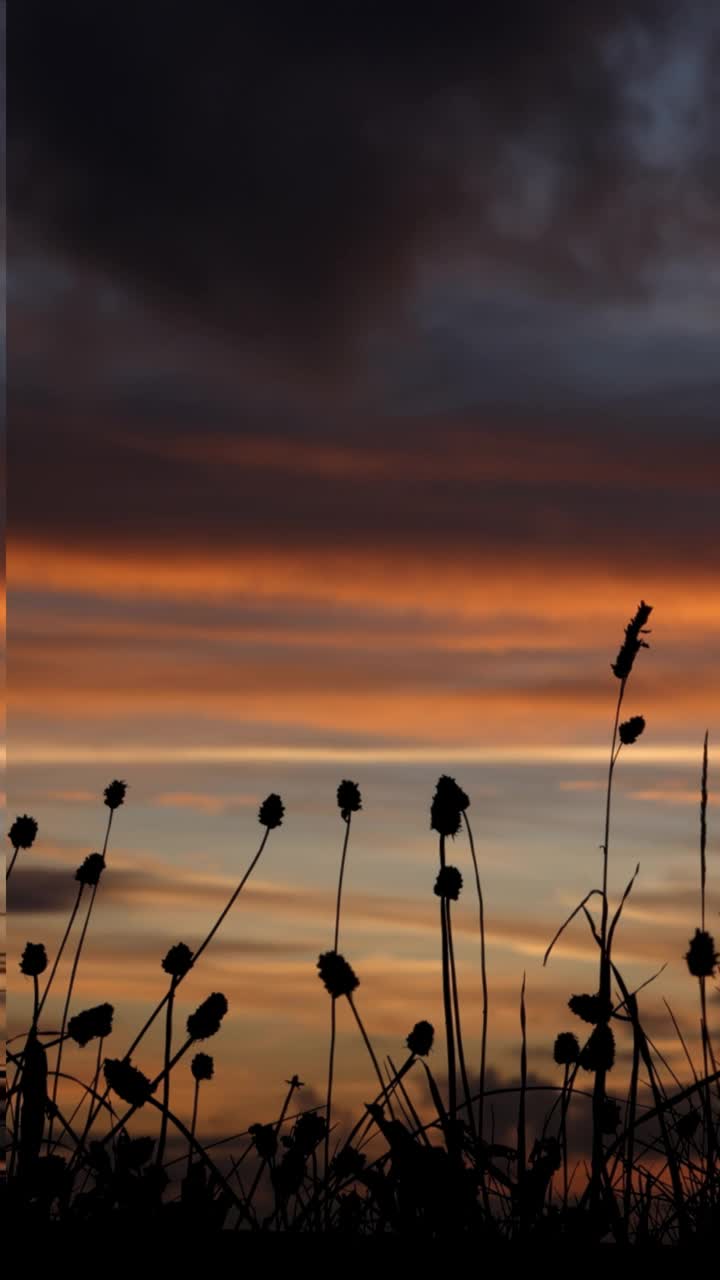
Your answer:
<point x="363" y="378"/>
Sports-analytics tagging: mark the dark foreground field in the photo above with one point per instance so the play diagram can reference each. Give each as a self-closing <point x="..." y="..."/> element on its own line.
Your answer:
<point x="294" y="1186"/>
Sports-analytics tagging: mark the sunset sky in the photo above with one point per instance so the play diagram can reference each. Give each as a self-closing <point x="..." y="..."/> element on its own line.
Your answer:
<point x="362" y="380"/>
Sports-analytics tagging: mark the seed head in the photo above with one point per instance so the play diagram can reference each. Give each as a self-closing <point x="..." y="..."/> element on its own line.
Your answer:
<point x="271" y="812"/>
<point x="447" y="806"/>
<point x="91" y="1024"/>
<point x="23" y="832"/>
<point x="309" y="1130"/>
<point x="702" y="957"/>
<point x="337" y="975"/>
<point x="265" y="1140"/>
<point x="631" y="729"/>
<point x="34" y="959"/>
<point x="448" y="883"/>
<point x="566" y="1049"/>
<point x="127" y="1082"/>
<point x="115" y="794"/>
<point x="590" y="1008"/>
<point x="599" y="1052"/>
<point x="448" y="789"/>
<point x="91" y="869"/>
<point x="206" y="1019"/>
<point x="202" y="1066"/>
<point x="349" y="799"/>
<point x="632" y="644"/>
<point x="178" y="960"/>
<point x="420" y="1040"/>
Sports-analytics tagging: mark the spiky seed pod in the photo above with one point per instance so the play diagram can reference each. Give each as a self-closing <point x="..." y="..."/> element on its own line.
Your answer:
<point x="632" y="644"/>
<point x="599" y="1052"/>
<point x="206" y="1019"/>
<point x="202" y="1066"/>
<point x="127" y="1082"/>
<point x="566" y="1049"/>
<point x="178" y="960"/>
<point x="115" y="794"/>
<point x="264" y="1139"/>
<point x="701" y="956"/>
<point x="449" y="791"/>
<point x="271" y="812"/>
<point x="349" y="799"/>
<point x="34" y="959"/>
<point x="610" y="1116"/>
<point x="448" y="883"/>
<point x="91" y="1024"/>
<point x="593" y="1009"/>
<point x="445" y="810"/>
<point x="631" y="729"/>
<point x="420" y="1040"/>
<point x="23" y="832"/>
<point x="337" y="975"/>
<point x="90" y="871"/>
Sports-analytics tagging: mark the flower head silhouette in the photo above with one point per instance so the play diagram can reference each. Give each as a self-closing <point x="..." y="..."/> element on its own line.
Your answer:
<point x="115" y="794"/>
<point x="91" y="869"/>
<point x="23" y="832"/>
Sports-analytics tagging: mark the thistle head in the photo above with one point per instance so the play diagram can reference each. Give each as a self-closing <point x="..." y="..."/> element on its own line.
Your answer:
<point x="202" y="1066"/>
<point x="206" y="1019"/>
<point x="349" y="799"/>
<point x="34" y="959"/>
<point x="420" y="1040"/>
<point x="23" y="832"/>
<point x="566" y="1049"/>
<point x="448" y="883"/>
<point x="701" y="956"/>
<point x="91" y="1024"/>
<point x="447" y="806"/>
<point x="599" y="1052"/>
<point x="178" y="960"/>
<point x="115" y="794"/>
<point x="91" y="869"/>
<point x="127" y="1082"/>
<point x="337" y="975"/>
<point x="594" y="1009"/>
<point x="271" y="812"/>
<point x="631" y="729"/>
<point x="632" y="644"/>
<point x="264" y="1140"/>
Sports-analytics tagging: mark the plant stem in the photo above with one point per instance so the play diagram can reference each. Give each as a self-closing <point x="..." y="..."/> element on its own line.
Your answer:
<point x="166" y="1083"/>
<point x="483" y="972"/>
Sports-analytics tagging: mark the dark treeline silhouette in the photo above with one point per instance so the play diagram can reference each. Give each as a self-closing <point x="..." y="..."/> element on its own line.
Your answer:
<point x="652" y="1172"/>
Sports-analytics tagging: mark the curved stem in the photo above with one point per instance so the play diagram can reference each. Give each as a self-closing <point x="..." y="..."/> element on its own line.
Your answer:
<point x="16" y="849"/>
<point x="166" y="1083"/>
<point x="483" y="973"/>
<point x="371" y="1051"/>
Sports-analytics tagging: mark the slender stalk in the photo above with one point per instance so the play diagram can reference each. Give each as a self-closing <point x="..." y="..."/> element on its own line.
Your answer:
<point x="166" y="1082"/>
<point x="371" y="1051"/>
<point x="333" y="1012"/>
<point x="458" y="1029"/>
<point x="203" y="946"/>
<point x="71" y="984"/>
<point x="563" y="1133"/>
<point x="193" y="1127"/>
<point x="447" y="1005"/>
<point x="8" y="873"/>
<point x="161" y="1004"/>
<point x="61" y="948"/>
<point x="598" y="1157"/>
<point x="484" y="978"/>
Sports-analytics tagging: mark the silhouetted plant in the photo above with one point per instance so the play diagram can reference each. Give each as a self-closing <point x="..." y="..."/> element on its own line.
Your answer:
<point x="22" y="836"/>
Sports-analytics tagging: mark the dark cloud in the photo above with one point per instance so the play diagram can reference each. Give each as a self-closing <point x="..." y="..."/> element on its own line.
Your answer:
<point x="283" y="176"/>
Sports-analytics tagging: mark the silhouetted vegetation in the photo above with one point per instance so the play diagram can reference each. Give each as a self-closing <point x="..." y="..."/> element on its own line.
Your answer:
<point x="653" y="1167"/>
